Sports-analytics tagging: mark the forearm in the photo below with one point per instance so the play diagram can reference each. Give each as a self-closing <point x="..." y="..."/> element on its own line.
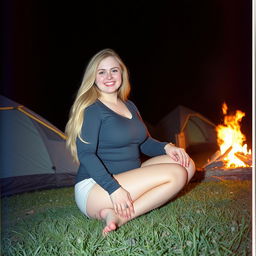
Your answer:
<point x="152" y="147"/>
<point x="97" y="171"/>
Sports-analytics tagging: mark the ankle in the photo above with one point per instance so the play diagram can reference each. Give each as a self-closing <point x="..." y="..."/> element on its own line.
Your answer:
<point x="103" y="214"/>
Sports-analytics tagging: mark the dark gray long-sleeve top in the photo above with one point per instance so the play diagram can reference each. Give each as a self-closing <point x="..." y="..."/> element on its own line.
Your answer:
<point x="114" y="144"/>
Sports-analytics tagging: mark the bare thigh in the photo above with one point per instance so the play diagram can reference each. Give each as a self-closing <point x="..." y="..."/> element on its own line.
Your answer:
<point x="167" y="159"/>
<point x="137" y="182"/>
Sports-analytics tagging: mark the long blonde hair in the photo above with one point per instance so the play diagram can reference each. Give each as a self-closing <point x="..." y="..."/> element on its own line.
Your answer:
<point x="87" y="94"/>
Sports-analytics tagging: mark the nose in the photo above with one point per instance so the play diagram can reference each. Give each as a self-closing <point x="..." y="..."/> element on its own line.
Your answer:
<point x="109" y="74"/>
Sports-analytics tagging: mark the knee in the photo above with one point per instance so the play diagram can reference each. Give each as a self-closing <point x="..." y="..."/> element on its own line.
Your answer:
<point x="191" y="169"/>
<point x="178" y="174"/>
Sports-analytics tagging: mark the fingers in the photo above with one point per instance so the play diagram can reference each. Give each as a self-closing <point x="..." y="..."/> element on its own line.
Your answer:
<point x="122" y="203"/>
<point x="130" y="205"/>
<point x="129" y="208"/>
<point x="183" y="157"/>
<point x="118" y="209"/>
<point x="124" y="210"/>
<point x="174" y="157"/>
<point x="180" y="155"/>
<point x="186" y="158"/>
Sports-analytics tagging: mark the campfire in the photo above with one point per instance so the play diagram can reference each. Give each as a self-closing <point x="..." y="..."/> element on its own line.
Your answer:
<point x="233" y="152"/>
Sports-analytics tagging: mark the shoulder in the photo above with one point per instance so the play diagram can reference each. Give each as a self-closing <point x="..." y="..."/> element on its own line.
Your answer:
<point x="130" y="103"/>
<point x="93" y="110"/>
<point x="94" y="107"/>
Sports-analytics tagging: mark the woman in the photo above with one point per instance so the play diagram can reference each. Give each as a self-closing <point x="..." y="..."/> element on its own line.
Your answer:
<point x="105" y="134"/>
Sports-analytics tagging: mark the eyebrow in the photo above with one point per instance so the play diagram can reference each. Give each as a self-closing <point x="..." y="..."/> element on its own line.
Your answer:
<point x="105" y="69"/>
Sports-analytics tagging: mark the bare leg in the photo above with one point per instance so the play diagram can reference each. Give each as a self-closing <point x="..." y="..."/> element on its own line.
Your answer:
<point x="149" y="186"/>
<point x="167" y="159"/>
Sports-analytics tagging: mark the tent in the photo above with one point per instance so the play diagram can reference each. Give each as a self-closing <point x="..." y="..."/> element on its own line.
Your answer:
<point x="33" y="153"/>
<point x="186" y="128"/>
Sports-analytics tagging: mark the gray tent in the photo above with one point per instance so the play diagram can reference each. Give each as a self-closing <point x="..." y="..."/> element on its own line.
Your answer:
<point x="33" y="153"/>
<point x="186" y="128"/>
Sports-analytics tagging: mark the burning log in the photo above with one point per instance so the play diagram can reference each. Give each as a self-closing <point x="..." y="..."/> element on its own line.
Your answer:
<point x="247" y="159"/>
<point x="225" y="154"/>
<point x="214" y="157"/>
<point x="216" y="160"/>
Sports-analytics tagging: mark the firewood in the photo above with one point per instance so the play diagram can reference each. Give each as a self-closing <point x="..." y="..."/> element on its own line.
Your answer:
<point x="225" y="154"/>
<point x="245" y="172"/>
<point x="216" y="157"/>
<point x="247" y="159"/>
<point x="212" y="158"/>
<point x="214" y="165"/>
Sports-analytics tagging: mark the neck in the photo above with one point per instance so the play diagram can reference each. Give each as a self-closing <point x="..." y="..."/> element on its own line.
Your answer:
<point x="112" y="98"/>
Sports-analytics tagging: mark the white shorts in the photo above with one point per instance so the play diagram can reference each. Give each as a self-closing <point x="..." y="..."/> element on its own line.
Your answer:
<point x="82" y="190"/>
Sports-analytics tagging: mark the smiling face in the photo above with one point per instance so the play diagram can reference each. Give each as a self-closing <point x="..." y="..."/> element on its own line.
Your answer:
<point x="109" y="75"/>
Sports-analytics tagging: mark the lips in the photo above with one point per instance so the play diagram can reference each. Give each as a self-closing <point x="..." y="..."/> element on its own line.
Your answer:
<point x="109" y="84"/>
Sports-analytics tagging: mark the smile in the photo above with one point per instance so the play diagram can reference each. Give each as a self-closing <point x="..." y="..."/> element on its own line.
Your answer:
<point x="109" y="84"/>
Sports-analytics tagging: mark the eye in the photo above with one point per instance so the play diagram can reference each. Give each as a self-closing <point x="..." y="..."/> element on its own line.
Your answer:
<point x="102" y="72"/>
<point x="115" y="70"/>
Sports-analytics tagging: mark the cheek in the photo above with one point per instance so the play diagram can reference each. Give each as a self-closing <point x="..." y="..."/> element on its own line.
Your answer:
<point x="98" y="80"/>
<point x="119" y="78"/>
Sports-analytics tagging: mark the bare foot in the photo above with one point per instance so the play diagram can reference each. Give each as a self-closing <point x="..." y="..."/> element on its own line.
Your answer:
<point x="111" y="219"/>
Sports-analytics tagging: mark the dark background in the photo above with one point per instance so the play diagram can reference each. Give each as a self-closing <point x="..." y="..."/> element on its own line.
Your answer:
<point x="191" y="53"/>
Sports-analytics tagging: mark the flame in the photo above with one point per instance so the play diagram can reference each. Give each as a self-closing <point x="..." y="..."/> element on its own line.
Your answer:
<point x="229" y="135"/>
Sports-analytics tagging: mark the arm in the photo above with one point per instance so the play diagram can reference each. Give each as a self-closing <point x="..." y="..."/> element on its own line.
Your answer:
<point x="87" y="152"/>
<point x="152" y="147"/>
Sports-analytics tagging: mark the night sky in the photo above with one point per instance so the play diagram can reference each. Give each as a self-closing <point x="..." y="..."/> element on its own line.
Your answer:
<point x="191" y="53"/>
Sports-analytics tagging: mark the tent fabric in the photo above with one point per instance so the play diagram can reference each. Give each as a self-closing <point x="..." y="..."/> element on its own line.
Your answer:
<point x="186" y="128"/>
<point x="33" y="152"/>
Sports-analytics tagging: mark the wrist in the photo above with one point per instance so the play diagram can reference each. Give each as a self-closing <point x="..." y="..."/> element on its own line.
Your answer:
<point x="170" y="144"/>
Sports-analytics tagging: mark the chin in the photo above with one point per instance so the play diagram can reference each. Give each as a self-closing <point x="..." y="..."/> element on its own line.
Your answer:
<point x="111" y="90"/>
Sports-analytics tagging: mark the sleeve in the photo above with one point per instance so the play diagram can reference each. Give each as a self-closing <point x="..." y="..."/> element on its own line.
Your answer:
<point x="87" y="152"/>
<point x="150" y="147"/>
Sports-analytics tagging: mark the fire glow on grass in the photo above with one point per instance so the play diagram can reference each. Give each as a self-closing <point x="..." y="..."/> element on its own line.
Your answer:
<point x="230" y="137"/>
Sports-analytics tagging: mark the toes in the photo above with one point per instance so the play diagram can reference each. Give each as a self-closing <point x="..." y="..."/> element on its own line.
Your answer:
<point x="112" y="226"/>
<point x="109" y="228"/>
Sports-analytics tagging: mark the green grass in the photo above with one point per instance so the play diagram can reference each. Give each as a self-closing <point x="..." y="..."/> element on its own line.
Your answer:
<point x="211" y="218"/>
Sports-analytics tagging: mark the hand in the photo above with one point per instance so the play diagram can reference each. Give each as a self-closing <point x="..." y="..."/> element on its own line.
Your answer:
<point x="179" y="155"/>
<point x="122" y="203"/>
